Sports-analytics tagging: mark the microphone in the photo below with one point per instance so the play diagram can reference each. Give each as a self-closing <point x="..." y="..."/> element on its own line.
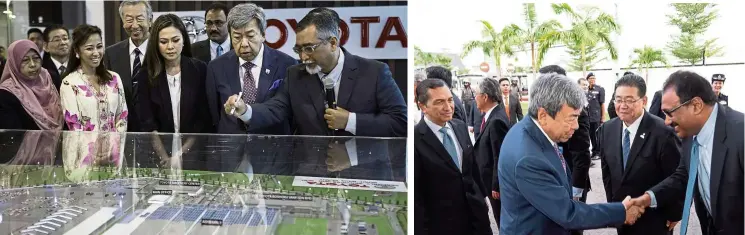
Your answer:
<point x="328" y="85"/>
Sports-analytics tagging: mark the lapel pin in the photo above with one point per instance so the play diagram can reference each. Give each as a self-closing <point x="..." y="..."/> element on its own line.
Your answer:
<point x="642" y="135"/>
<point x="267" y="71"/>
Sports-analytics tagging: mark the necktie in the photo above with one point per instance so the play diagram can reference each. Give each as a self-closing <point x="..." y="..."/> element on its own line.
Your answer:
<point x="249" y="89"/>
<point x="449" y="146"/>
<point x="626" y="146"/>
<point x="135" y="69"/>
<point x="561" y="157"/>
<point x="62" y="70"/>
<point x="507" y="107"/>
<point x="692" y="171"/>
<point x="219" y="51"/>
<point x="483" y="122"/>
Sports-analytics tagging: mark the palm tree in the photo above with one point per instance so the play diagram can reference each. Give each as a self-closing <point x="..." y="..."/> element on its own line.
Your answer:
<point x="646" y="57"/>
<point x="590" y="28"/>
<point x="533" y="31"/>
<point x="426" y="58"/>
<point x="495" y="43"/>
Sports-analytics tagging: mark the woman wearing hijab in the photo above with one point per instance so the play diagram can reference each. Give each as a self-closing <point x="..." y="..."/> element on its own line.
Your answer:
<point x="28" y="98"/>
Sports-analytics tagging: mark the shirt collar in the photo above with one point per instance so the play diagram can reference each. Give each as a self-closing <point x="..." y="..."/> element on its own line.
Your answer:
<point x="256" y="61"/>
<point x="57" y="64"/>
<point x="707" y="132"/>
<point x="434" y="127"/>
<point x="544" y="133"/>
<point x="336" y="72"/>
<point x="142" y="47"/>
<point x="486" y="115"/>
<point x="634" y="125"/>
<point x="225" y="45"/>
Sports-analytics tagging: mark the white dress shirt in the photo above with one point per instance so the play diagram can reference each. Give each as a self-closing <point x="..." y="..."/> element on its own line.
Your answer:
<point x="57" y="65"/>
<point x="143" y="49"/>
<point x="174" y="88"/>
<point x="225" y="48"/>
<point x="436" y="129"/>
<point x="633" y="128"/>
<point x="486" y="115"/>
<point x="255" y="71"/>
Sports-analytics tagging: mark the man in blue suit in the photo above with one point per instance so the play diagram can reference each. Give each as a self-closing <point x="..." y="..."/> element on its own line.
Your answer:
<point x="228" y="75"/>
<point x="534" y="180"/>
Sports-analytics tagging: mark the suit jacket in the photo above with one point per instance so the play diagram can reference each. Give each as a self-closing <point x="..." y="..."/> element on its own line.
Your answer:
<point x="488" y="145"/>
<point x="223" y="81"/>
<point x="460" y="109"/>
<point x="201" y="50"/>
<point x="154" y="100"/>
<point x="116" y="58"/>
<point x="48" y="64"/>
<point x="726" y="177"/>
<point x="377" y="101"/>
<point x="655" y="108"/>
<point x="653" y="157"/>
<point x="516" y="110"/>
<point x="447" y="200"/>
<point x="535" y="191"/>
<point x="474" y="120"/>
<point x="577" y="152"/>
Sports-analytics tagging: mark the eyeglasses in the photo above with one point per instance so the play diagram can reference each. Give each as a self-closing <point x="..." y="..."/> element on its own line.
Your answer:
<point x="309" y="49"/>
<point x="670" y="112"/>
<point x="626" y="101"/>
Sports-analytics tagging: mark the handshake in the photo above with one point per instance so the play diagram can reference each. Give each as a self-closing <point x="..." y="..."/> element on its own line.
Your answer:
<point x="634" y="209"/>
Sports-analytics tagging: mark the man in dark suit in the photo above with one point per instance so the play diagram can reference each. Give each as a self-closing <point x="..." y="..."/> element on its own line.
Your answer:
<point x="36" y="36"/>
<point x="474" y="121"/>
<point x="57" y="48"/>
<point x="137" y="17"/>
<point x="445" y="75"/>
<point x="511" y="103"/>
<point x="655" y="108"/>
<point x="493" y="128"/>
<point x="449" y="194"/>
<point x="649" y="152"/>
<point x="710" y="172"/>
<point x="534" y="180"/>
<point x="227" y="75"/>
<point x="218" y="43"/>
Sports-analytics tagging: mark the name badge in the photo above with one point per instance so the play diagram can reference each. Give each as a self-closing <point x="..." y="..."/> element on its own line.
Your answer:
<point x="723" y="102"/>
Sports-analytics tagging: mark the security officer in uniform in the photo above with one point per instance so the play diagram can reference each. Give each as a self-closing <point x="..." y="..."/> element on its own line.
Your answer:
<point x="596" y="108"/>
<point x="717" y="82"/>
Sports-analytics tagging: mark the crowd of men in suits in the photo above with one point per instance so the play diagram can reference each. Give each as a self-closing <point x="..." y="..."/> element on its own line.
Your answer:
<point x="534" y="171"/>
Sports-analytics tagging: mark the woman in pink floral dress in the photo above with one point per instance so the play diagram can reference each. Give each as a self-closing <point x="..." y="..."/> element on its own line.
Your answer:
<point x="93" y="105"/>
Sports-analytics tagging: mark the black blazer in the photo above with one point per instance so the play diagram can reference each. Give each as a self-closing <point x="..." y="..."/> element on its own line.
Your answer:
<point x="12" y="113"/>
<point x="516" y="110"/>
<point x="155" y="112"/>
<point x="655" y="108"/>
<point x="474" y="119"/>
<point x="223" y="81"/>
<point x="116" y="58"/>
<point x="488" y="144"/>
<point x="460" y="109"/>
<point x="377" y="101"/>
<point x="447" y="201"/>
<point x="48" y="64"/>
<point x="726" y="177"/>
<point x="653" y="156"/>
<point x="201" y="50"/>
<point x="577" y="152"/>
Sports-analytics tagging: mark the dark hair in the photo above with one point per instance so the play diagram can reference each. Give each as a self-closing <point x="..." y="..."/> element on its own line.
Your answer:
<point x="552" y="69"/>
<point x="217" y="6"/>
<point x="504" y="79"/>
<point x="627" y="73"/>
<point x="79" y="36"/>
<point x="422" y="90"/>
<point x="441" y="73"/>
<point x="590" y="75"/>
<point x="48" y="30"/>
<point x="632" y="80"/>
<point x="34" y="30"/>
<point x="688" y="85"/>
<point x="490" y="88"/>
<point x="325" y="20"/>
<point x="154" y="61"/>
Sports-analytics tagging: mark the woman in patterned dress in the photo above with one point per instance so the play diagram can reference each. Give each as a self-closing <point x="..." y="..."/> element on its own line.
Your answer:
<point x="93" y="105"/>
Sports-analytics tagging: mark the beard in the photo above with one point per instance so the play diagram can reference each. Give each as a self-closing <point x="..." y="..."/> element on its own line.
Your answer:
<point x="311" y="68"/>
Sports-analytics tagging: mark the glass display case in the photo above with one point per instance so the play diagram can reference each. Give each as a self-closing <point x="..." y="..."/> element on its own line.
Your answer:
<point x="55" y="182"/>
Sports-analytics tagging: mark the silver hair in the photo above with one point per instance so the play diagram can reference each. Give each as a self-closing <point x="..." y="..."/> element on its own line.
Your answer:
<point x="419" y="76"/>
<point x="134" y="3"/>
<point x="490" y="88"/>
<point x="242" y="14"/>
<point x="551" y="91"/>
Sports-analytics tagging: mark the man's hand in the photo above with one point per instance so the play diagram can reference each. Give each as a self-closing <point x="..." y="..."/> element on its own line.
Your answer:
<point x="336" y="118"/>
<point x="671" y="225"/>
<point x="642" y="201"/>
<point x="235" y="102"/>
<point x="337" y="158"/>
<point x="633" y="212"/>
<point x="495" y="195"/>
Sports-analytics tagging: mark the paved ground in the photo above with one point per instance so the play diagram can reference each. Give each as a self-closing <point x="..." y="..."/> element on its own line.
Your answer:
<point x="598" y="196"/>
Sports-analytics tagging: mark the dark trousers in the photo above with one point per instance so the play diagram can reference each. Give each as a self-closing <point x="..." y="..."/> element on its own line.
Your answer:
<point x="496" y="206"/>
<point x="582" y="199"/>
<point x="594" y="138"/>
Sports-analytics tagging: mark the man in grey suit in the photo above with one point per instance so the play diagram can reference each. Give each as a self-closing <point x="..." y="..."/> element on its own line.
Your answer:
<point x="137" y="17"/>
<point x="215" y="22"/>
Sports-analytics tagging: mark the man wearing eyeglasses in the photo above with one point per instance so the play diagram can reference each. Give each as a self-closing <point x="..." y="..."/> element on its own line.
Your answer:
<point x="218" y="43"/>
<point x="710" y="173"/>
<point x="57" y="48"/>
<point x="637" y="151"/>
<point x="252" y="69"/>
